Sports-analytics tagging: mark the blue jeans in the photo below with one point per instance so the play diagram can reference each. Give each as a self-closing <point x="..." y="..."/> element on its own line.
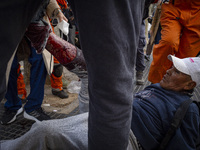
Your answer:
<point x="37" y="81"/>
<point x="109" y="33"/>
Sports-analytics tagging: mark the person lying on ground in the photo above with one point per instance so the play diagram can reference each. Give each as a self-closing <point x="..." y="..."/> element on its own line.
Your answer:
<point x="153" y="109"/>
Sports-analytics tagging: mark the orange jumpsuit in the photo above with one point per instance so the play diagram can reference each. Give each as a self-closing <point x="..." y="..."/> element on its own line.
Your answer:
<point x="180" y="35"/>
<point x="56" y="82"/>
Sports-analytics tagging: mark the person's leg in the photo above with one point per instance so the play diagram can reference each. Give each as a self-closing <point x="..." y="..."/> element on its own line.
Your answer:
<point x="190" y="43"/>
<point x="56" y="80"/>
<point x="169" y="43"/>
<point x="83" y="96"/>
<point x="21" y="87"/>
<point x="12" y="30"/>
<point x="58" y="134"/>
<point x="13" y="103"/>
<point x="38" y="75"/>
<point x="109" y="36"/>
<point x="140" y="66"/>
<point x="72" y="34"/>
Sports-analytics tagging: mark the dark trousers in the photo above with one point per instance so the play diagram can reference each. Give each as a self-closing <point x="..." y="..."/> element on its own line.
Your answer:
<point x="140" y="66"/>
<point x="38" y="75"/>
<point x="109" y="33"/>
<point x="17" y="15"/>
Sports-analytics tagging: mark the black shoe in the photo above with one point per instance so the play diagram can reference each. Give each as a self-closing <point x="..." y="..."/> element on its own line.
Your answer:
<point x="37" y="115"/>
<point x="139" y="78"/>
<point x="9" y="116"/>
<point x="62" y="94"/>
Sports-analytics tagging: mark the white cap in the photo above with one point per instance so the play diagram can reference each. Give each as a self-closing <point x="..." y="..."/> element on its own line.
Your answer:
<point x="189" y="66"/>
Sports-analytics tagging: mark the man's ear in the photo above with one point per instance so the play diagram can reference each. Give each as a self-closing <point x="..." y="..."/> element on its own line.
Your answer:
<point x="190" y="85"/>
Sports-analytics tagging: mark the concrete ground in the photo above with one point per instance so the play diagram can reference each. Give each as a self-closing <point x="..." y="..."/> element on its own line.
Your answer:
<point x="52" y="103"/>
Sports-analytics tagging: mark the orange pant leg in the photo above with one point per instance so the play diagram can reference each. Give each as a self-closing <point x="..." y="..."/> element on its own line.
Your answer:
<point x="20" y="84"/>
<point x="190" y="39"/>
<point x="169" y="43"/>
<point x="180" y="35"/>
<point x="56" y="81"/>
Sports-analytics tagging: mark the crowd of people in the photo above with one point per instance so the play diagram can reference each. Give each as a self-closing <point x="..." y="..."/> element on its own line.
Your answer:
<point x="112" y="43"/>
<point x="38" y="73"/>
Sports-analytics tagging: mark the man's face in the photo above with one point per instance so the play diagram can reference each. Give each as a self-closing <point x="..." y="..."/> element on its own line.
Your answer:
<point x="175" y="80"/>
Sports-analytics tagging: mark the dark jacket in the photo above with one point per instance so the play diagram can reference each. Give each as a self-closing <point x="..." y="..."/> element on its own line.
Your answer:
<point x="153" y="110"/>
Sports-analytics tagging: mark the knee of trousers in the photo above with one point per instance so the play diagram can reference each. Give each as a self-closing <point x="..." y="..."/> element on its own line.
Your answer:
<point x="170" y="42"/>
<point x="58" y="70"/>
